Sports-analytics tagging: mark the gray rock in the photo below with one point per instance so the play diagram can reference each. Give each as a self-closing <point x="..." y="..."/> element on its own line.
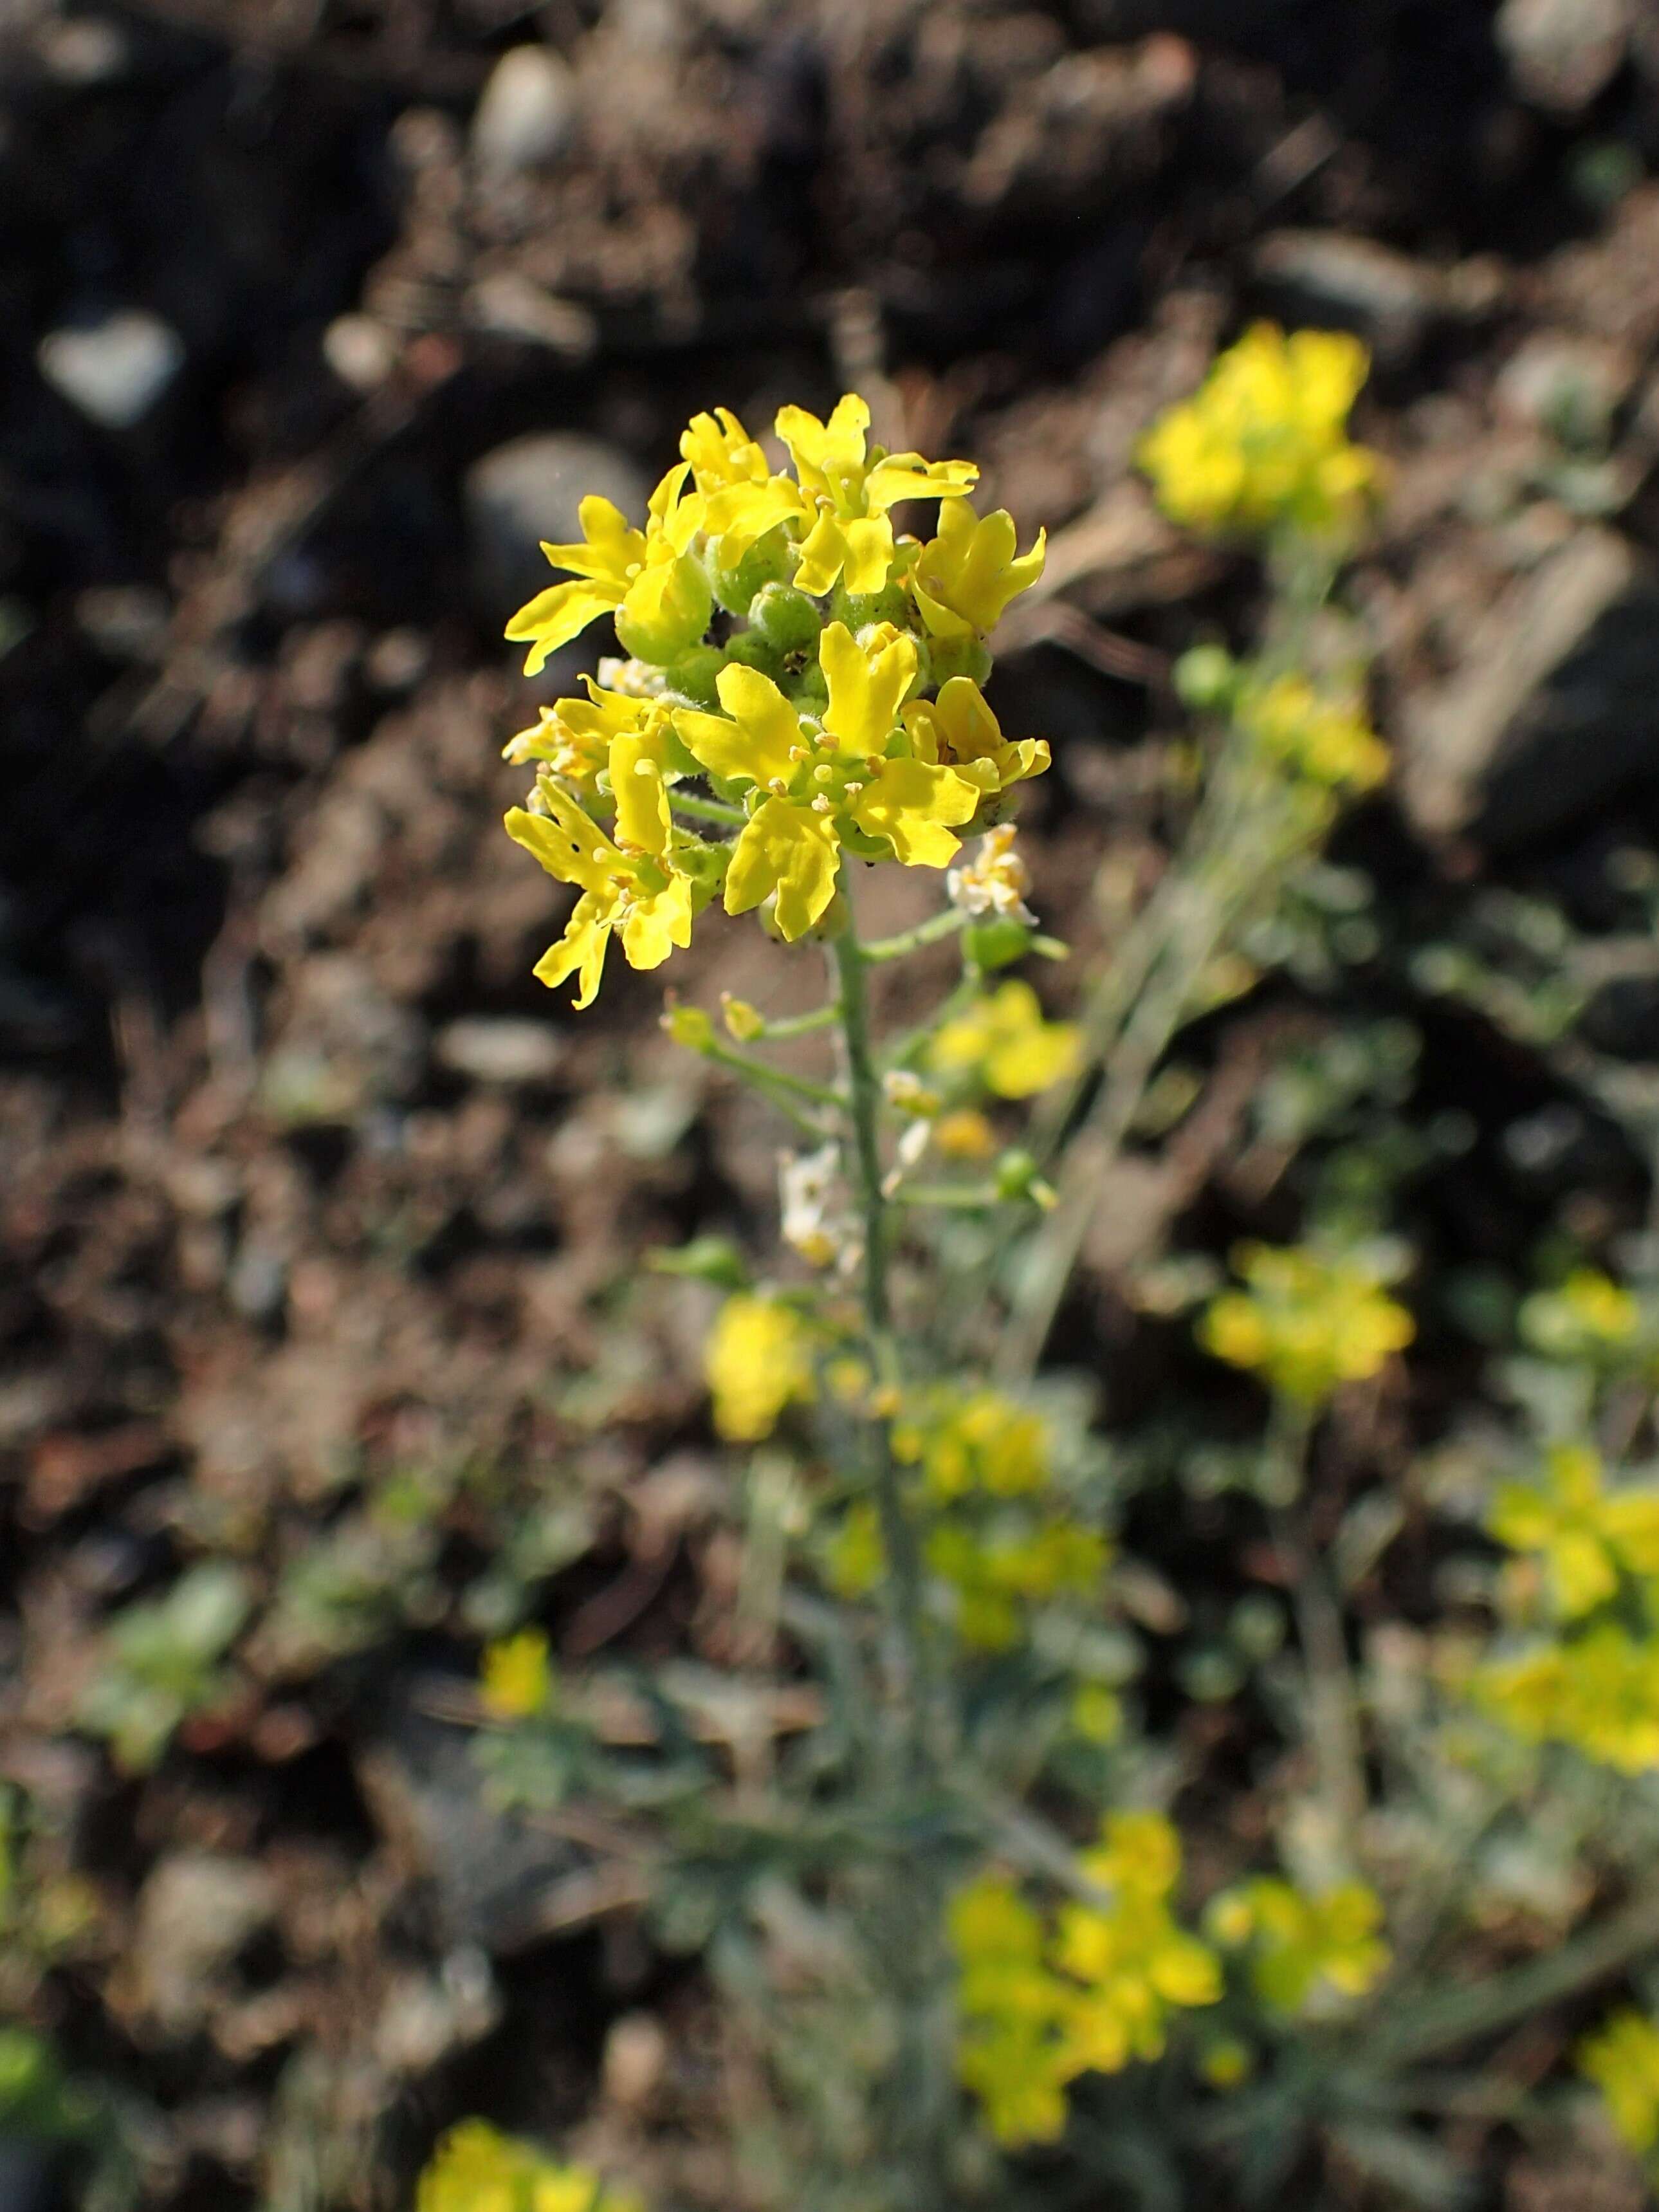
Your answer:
<point x="491" y="1050"/>
<point x="114" y="371"/>
<point x="1556" y="705"/>
<point x="530" y="489"/>
<point x="526" y="113"/>
<point x="1563" y="52"/>
<point x="1388" y="298"/>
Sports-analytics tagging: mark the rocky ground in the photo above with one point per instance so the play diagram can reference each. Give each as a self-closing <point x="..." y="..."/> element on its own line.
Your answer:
<point x="321" y="1222"/>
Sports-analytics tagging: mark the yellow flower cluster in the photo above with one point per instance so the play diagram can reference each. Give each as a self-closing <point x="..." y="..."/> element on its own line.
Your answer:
<point x="758" y="1360"/>
<point x="1308" y="1322"/>
<point x="840" y="712"/>
<point x="1303" y="1948"/>
<point x="477" y="2169"/>
<point x="1585" y="1536"/>
<point x="1321" y="742"/>
<point x="1621" y="2057"/>
<point x="1264" y="441"/>
<point x="515" y="1678"/>
<point x="1599" y="1693"/>
<point x="1004" y="1042"/>
<point x="1587" y="1316"/>
<point x="994" y="1543"/>
<point x="1591" y="1554"/>
<point x="1042" y="2002"/>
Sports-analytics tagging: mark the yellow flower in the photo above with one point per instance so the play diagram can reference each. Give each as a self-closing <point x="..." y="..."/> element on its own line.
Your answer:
<point x="1585" y="1534"/>
<point x="1324" y="743"/>
<point x="721" y="453"/>
<point x="1309" y="1321"/>
<point x="477" y="2169"/>
<point x="515" y="1679"/>
<point x="826" y="786"/>
<point x="1621" y="2057"/>
<point x="640" y="894"/>
<point x="1264" y="441"/>
<point x="996" y="1571"/>
<point x="1040" y="2006"/>
<point x="964" y="1135"/>
<point x="960" y="730"/>
<point x="852" y="488"/>
<point x="964" y="577"/>
<point x="758" y="1361"/>
<point x="644" y="577"/>
<point x="1587" y="1316"/>
<point x="981" y="1441"/>
<point x="1304" y="1946"/>
<point x="1599" y="1692"/>
<point x="1007" y="1044"/>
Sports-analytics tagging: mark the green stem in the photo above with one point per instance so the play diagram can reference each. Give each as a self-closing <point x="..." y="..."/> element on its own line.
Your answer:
<point x="706" y="810"/>
<point x="959" y="1197"/>
<point x="1333" y="1704"/>
<point x="780" y="1078"/>
<point x="916" y="2105"/>
<point x="1448" y="2018"/>
<point x="931" y="932"/>
<point x="794" y="1025"/>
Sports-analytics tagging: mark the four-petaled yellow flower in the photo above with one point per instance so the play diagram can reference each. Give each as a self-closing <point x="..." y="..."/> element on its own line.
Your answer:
<point x="965" y="576"/>
<point x="758" y="1360"/>
<point x="645" y="578"/>
<point x="959" y="730"/>
<point x="638" y="894"/>
<point x="1585" y="1534"/>
<point x="1303" y="1947"/>
<point x="1005" y="1041"/>
<point x="1264" y="441"/>
<point x="1322" y="741"/>
<point x="477" y="2169"/>
<point x="1308" y="1322"/>
<point x="826" y="784"/>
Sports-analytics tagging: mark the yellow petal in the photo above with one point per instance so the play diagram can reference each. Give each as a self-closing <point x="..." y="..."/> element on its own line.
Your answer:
<point x="907" y="476"/>
<point x="869" y="553"/>
<point x="788" y="849"/>
<point x="569" y="845"/>
<point x="823" y="556"/>
<point x="909" y="803"/>
<point x="554" y="616"/>
<point x="865" y="687"/>
<point x="642" y="817"/>
<point x="582" y="946"/>
<point x="656" y="925"/>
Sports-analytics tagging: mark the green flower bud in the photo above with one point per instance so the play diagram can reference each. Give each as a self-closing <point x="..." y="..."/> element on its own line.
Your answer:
<point x="751" y="649"/>
<point x="744" y="1022"/>
<point x="1206" y="677"/>
<point x="772" y="561"/>
<point x="809" y="692"/>
<point x="858" y="609"/>
<point x="689" y="1026"/>
<point x="666" y="612"/>
<point x="1016" y="1177"/>
<point x="989" y="945"/>
<point x="960" y="656"/>
<point x="787" y="618"/>
<point x="691" y="677"/>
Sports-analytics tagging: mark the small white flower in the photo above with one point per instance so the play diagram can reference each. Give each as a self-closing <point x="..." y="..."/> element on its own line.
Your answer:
<point x="815" y="1221"/>
<point x="995" y="881"/>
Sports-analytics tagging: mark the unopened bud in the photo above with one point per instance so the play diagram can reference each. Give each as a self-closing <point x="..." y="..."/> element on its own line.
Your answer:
<point x="689" y="1026"/>
<point x="744" y="1022"/>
